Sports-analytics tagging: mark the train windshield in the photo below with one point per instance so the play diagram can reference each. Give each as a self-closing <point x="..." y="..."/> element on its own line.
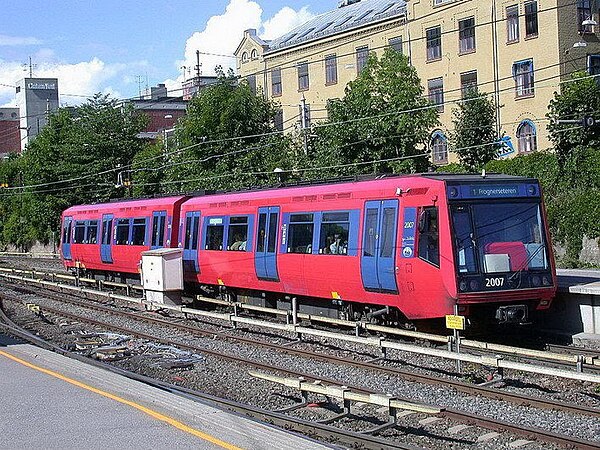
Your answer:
<point x="499" y="237"/>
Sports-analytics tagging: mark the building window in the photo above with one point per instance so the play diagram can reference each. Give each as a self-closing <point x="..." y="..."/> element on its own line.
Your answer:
<point x="584" y="12"/>
<point x="439" y="148"/>
<point x="436" y="92"/>
<point x="276" y="82"/>
<point x="362" y="56"/>
<point x="303" y="76"/>
<point x="330" y="69"/>
<point x="468" y="83"/>
<point x="278" y="120"/>
<point x="512" y="23"/>
<point x="466" y="35"/>
<point x="594" y="66"/>
<point x="396" y="43"/>
<point x="527" y="137"/>
<point x="531" y="20"/>
<point x="244" y="57"/>
<point x="434" y="43"/>
<point x="523" y="75"/>
<point x="252" y="83"/>
<point x="254" y="54"/>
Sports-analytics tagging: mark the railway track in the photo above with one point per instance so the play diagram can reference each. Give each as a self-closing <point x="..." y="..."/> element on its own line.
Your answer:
<point x="450" y="414"/>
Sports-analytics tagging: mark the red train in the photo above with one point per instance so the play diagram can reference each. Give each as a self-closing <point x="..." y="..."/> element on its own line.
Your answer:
<point x="400" y="248"/>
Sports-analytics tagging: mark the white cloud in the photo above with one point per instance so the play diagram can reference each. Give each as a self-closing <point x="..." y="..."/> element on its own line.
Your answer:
<point x="224" y="32"/>
<point x="80" y="80"/>
<point x="285" y="20"/>
<point x="18" y="40"/>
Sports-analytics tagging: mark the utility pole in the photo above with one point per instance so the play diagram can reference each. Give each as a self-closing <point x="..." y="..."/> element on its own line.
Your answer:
<point x="198" y="66"/>
<point x="304" y="122"/>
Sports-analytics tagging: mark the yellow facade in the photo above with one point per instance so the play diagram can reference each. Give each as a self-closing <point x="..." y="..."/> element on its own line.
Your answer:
<point x="519" y="64"/>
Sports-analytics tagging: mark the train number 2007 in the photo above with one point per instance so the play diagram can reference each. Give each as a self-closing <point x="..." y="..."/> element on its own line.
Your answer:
<point x="494" y="282"/>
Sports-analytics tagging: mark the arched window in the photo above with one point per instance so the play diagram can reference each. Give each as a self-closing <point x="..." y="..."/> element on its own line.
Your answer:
<point x="245" y="57"/>
<point x="254" y="54"/>
<point x="439" y="147"/>
<point x="526" y="135"/>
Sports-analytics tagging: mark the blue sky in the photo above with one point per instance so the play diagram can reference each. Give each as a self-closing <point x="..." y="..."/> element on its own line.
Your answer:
<point x="106" y="45"/>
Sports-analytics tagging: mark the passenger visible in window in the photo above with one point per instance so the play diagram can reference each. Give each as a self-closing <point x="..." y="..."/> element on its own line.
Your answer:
<point x="242" y="246"/>
<point x="237" y="243"/>
<point x="336" y="247"/>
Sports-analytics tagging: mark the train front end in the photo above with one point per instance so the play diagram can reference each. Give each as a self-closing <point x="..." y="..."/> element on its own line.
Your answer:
<point x="502" y="250"/>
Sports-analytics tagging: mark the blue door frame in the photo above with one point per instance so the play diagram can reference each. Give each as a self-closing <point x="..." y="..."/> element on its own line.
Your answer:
<point x="265" y="257"/>
<point x="158" y="233"/>
<point x="191" y="238"/>
<point x="106" y="241"/>
<point x="377" y="262"/>
<point x="66" y="238"/>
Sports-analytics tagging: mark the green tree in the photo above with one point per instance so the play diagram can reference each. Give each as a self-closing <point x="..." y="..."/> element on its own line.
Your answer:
<point x="227" y="139"/>
<point x="383" y="116"/>
<point x="574" y="144"/>
<point x="474" y="137"/>
<point x="75" y="159"/>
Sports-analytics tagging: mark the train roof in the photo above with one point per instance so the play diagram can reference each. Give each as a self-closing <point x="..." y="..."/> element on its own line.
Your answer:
<point x="130" y="203"/>
<point x="476" y="178"/>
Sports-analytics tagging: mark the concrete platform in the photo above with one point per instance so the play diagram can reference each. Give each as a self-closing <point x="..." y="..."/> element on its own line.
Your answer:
<point x="50" y="401"/>
<point x="576" y="309"/>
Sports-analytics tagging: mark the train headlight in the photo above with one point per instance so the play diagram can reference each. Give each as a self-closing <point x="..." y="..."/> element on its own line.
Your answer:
<point x="474" y="285"/>
<point x="536" y="281"/>
<point x="462" y="285"/>
<point x="546" y="281"/>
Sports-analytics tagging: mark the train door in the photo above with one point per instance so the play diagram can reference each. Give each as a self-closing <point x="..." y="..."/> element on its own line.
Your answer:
<point x="265" y="257"/>
<point x="105" y="242"/>
<point x="190" y="244"/>
<point x="66" y="238"/>
<point x="158" y="229"/>
<point x="377" y="265"/>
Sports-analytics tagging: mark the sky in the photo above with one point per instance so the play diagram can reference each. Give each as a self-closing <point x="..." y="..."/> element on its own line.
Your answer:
<point x="117" y="47"/>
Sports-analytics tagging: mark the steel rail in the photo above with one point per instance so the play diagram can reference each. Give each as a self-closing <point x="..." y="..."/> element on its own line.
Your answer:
<point x="529" y="432"/>
<point x="467" y="388"/>
<point x="280" y="420"/>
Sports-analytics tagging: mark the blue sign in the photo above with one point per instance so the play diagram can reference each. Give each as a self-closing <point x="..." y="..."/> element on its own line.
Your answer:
<point x="506" y="147"/>
<point x="408" y="232"/>
<point x="485" y="190"/>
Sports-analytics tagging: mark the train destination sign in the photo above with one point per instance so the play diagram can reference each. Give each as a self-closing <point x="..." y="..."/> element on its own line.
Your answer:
<point x="508" y="190"/>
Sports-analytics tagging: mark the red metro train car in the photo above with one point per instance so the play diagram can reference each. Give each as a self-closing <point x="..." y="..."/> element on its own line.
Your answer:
<point x="400" y="248"/>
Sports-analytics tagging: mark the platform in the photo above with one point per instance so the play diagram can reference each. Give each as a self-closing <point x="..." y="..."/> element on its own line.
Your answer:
<point x="576" y="309"/>
<point x="51" y="401"/>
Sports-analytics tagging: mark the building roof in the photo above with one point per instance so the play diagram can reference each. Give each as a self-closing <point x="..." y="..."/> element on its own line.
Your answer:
<point x="344" y="18"/>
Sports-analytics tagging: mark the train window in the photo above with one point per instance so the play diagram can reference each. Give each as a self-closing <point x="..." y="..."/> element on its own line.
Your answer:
<point x="66" y="237"/>
<point x="237" y="235"/>
<point x="107" y="226"/>
<point x="92" y="232"/>
<point x="465" y="239"/>
<point x="300" y="233"/>
<point x="273" y="218"/>
<point x="79" y="233"/>
<point x="158" y="231"/>
<point x="335" y="227"/>
<point x="370" y="232"/>
<point x="215" y="231"/>
<point x="260" y="237"/>
<point x="428" y="240"/>
<point x="138" y="236"/>
<point x="388" y="231"/>
<point x="122" y="232"/>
